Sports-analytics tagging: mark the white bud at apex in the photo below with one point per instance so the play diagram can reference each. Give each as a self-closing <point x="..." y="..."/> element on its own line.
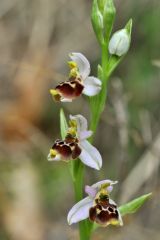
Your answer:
<point x="119" y="43"/>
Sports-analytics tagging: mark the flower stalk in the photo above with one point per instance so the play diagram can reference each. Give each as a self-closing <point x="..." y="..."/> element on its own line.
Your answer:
<point x="74" y="147"/>
<point x="78" y="189"/>
<point x="97" y="103"/>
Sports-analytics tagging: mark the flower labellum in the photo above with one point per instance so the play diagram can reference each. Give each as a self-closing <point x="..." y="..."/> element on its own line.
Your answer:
<point x="104" y="211"/>
<point x="66" y="91"/>
<point x="64" y="150"/>
<point x="76" y="145"/>
<point x="79" y="81"/>
<point x="119" y="43"/>
<point x="98" y="206"/>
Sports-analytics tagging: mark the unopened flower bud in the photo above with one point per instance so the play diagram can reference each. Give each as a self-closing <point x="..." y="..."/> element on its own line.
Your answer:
<point x="119" y="43"/>
<point x="97" y="21"/>
<point x="108" y="11"/>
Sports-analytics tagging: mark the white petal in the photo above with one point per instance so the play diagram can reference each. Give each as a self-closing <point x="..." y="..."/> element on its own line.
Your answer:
<point x="92" y="86"/>
<point x="80" y="211"/>
<point x="57" y="158"/>
<point x="82" y="63"/>
<point x="90" y="155"/>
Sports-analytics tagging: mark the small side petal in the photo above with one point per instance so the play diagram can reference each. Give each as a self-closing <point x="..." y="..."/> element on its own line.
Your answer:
<point x="109" y="188"/>
<point x="90" y="155"/>
<point x="94" y="189"/>
<point x="80" y="211"/>
<point x="92" y="86"/>
<point x="90" y="191"/>
<point x="82" y="63"/>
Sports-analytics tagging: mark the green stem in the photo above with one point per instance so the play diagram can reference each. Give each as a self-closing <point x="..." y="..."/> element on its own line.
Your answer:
<point x="104" y="59"/>
<point x="78" y="188"/>
<point x="78" y="180"/>
<point x="98" y="104"/>
<point x="85" y="227"/>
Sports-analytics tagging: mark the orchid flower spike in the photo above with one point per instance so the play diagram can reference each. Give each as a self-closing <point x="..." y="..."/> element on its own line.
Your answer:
<point x="76" y="145"/>
<point x="98" y="206"/>
<point x="79" y="81"/>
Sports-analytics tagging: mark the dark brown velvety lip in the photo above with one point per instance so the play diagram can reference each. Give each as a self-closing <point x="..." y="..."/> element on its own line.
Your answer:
<point x="63" y="149"/>
<point x="76" y="151"/>
<point x="70" y="89"/>
<point x="69" y="148"/>
<point x="103" y="212"/>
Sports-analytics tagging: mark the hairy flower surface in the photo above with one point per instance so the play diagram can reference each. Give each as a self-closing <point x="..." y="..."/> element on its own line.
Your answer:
<point x="98" y="206"/>
<point x="76" y="145"/>
<point x="79" y="81"/>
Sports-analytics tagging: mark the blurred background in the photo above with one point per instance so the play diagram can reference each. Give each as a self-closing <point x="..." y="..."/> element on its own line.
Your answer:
<point x="35" y="195"/>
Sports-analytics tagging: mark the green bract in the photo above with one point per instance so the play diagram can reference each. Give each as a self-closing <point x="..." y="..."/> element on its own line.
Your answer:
<point x="134" y="205"/>
<point x="63" y="124"/>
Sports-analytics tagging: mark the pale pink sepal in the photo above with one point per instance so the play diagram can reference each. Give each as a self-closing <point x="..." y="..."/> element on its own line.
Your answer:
<point x="92" y="86"/>
<point x="90" y="156"/>
<point x="80" y="211"/>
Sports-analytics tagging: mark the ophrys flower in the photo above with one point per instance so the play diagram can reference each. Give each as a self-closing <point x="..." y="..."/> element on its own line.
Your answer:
<point x="98" y="206"/>
<point x="75" y="145"/>
<point x="79" y="81"/>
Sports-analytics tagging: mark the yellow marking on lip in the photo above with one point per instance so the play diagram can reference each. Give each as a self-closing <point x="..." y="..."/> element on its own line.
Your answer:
<point x="53" y="153"/>
<point x="98" y="211"/>
<point x="53" y="92"/>
<point x="114" y="222"/>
